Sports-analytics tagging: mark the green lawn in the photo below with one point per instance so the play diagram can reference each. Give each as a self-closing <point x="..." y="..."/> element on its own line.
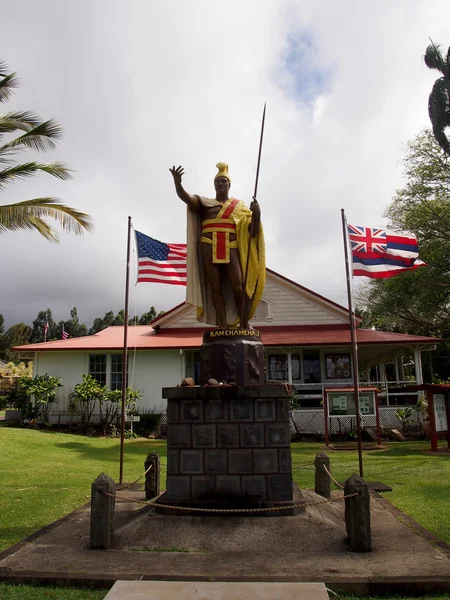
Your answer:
<point x="46" y="475"/>
<point x="419" y="480"/>
<point x="29" y="592"/>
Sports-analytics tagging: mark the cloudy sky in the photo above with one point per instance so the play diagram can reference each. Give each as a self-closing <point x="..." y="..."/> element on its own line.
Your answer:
<point x="140" y="86"/>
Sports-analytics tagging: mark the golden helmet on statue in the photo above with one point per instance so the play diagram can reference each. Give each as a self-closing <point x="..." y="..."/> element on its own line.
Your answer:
<point x="223" y="171"/>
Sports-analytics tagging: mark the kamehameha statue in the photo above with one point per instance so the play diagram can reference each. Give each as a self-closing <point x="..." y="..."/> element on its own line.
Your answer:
<point x="218" y="236"/>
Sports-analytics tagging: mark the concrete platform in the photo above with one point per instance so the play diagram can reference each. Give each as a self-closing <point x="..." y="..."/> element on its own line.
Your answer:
<point x="184" y="590"/>
<point x="307" y="548"/>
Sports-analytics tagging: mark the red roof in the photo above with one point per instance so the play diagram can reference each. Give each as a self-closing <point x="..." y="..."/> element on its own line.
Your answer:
<point x="145" y="337"/>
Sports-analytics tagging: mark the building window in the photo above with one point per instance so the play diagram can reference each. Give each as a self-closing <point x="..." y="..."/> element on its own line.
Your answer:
<point x="117" y="371"/>
<point x="295" y="365"/>
<point x="311" y="366"/>
<point x="278" y="367"/>
<point x="338" y="366"/>
<point x="97" y="367"/>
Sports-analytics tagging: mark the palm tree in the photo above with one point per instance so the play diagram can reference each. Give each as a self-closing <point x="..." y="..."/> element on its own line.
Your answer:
<point x="439" y="99"/>
<point x="32" y="133"/>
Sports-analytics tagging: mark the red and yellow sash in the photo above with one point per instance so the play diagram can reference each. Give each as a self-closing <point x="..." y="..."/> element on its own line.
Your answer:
<point x="221" y="227"/>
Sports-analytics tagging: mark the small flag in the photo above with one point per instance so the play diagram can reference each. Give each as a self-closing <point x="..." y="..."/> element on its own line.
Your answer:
<point x="64" y="334"/>
<point x="46" y="328"/>
<point x="378" y="254"/>
<point x="159" y="262"/>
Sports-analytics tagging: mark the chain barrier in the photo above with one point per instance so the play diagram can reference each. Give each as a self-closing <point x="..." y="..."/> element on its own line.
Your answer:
<point x="332" y="478"/>
<point x="231" y="510"/>
<point x="124" y="487"/>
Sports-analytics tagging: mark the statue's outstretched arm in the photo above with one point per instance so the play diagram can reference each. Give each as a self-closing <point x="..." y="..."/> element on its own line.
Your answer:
<point x="192" y="201"/>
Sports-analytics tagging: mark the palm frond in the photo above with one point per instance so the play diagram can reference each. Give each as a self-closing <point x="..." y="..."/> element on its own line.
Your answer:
<point x="7" y="85"/>
<point x="3" y="68"/>
<point x="42" y="137"/>
<point x="30" y="222"/>
<point x="439" y="112"/>
<point x="22" y="120"/>
<point x="57" y="169"/>
<point x="30" y="214"/>
<point x="434" y="59"/>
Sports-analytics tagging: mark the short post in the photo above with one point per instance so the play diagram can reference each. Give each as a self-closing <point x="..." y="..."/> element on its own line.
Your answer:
<point x="152" y="478"/>
<point x="357" y="514"/>
<point x="102" y="511"/>
<point x="323" y="483"/>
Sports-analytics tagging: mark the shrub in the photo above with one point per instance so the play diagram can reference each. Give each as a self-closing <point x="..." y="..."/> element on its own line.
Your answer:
<point x="405" y="416"/>
<point x="40" y="393"/>
<point x="86" y="395"/>
<point x="149" y="422"/>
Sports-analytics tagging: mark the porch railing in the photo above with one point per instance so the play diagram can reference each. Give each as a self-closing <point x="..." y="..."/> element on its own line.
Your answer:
<point x="391" y="393"/>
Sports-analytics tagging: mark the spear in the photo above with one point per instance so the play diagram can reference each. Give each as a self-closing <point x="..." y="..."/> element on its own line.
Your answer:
<point x="244" y="296"/>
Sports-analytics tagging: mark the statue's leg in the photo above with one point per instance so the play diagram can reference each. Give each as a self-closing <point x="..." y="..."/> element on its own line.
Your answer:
<point x="212" y="273"/>
<point x="234" y="272"/>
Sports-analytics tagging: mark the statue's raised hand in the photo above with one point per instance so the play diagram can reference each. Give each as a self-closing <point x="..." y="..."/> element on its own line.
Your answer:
<point x="255" y="208"/>
<point x="177" y="174"/>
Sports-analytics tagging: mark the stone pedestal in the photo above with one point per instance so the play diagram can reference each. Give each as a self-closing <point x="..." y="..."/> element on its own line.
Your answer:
<point x="228" y="446"/>
<point x="232" y="355"/>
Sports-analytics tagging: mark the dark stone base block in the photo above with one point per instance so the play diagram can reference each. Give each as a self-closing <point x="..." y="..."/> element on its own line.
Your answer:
<point x="285" y="507"/>
<point x="228" y="446"/>
<point x="232" y="355"/>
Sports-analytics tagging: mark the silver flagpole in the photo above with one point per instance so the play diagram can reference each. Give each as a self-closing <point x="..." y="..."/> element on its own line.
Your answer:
<point x="125" y="354"/>
<point x="353" y="340"/>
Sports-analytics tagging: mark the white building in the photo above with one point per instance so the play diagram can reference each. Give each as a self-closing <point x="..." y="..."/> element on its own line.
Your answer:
<point x="306" y="339"/>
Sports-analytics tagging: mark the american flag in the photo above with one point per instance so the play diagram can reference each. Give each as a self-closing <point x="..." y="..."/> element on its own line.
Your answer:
<point x="159" y="262"/>
<point x="64" y="334"/>
<point x="378" y="254"/>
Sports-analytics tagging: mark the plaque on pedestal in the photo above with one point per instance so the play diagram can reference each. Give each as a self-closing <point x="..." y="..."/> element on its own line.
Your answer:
<point x="233" y="356"/>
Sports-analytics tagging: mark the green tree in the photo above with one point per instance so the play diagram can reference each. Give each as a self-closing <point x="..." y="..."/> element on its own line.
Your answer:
<point x="74" y="327"/>
<point x="418" y="301"/>
<point x="2" y="330"/>
<point x="17" y="335"/>
<point x="119" y="319"/>
<point x="97" y="326"/>
<point x="38" y="334"/>
<point x="30" y="132"/>
<point x="109" y="320"/>
<point x="439" y="99"/>
<point x="148" y="316"/>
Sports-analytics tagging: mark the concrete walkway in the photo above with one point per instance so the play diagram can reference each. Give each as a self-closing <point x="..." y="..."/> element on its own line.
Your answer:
<point x="309" y="547"/>
<point x="220" y="590"/>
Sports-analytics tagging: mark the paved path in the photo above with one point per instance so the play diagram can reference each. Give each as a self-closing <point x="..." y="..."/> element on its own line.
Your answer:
<point x="308" y="547"/>
<point x="182" y="590"/>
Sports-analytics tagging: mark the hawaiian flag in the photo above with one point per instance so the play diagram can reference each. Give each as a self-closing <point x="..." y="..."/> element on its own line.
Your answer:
<point x="378" y="254"/>
<point x="159" y="262"/>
